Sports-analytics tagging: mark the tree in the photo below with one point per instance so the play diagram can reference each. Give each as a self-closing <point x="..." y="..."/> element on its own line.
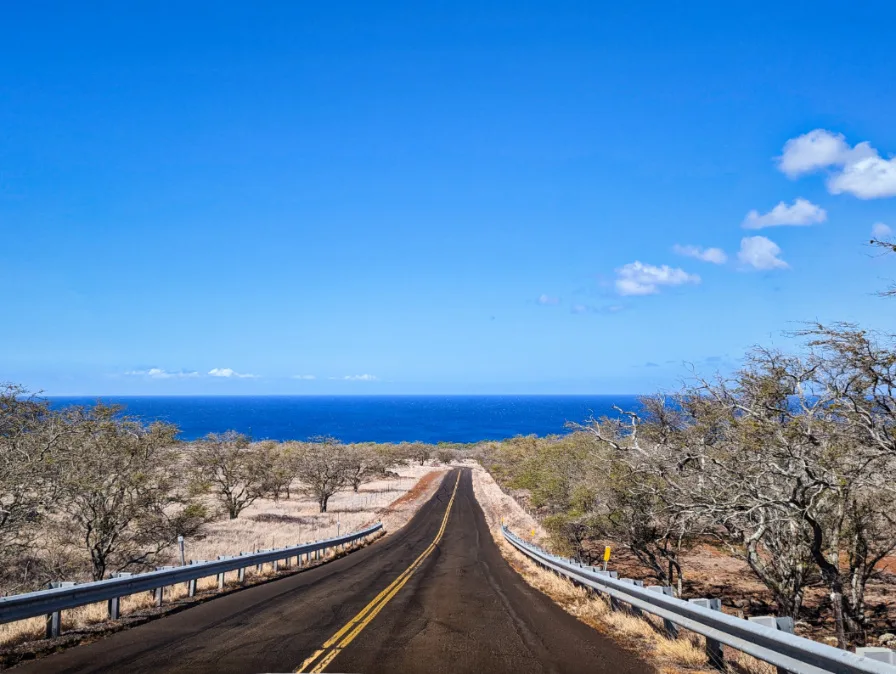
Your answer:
<point x="445" y="453"/>
<point x="30" y="435"/>
<point x="417" y="451"/>
<point x="887" y="246"/>
<point x="787" y="459"/>
<point x="361" y="464"/>
<point x="122" y="487"/>
<point x="233" y="471"/>
<point x="277" y="464"/>
<point x="322" y="469"/>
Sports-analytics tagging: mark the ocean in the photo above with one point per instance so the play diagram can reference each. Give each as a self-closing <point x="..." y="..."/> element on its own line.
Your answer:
<point x="368" y="418"/>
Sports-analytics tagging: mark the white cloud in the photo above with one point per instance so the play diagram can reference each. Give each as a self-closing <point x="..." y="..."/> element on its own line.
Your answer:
<point x="801" y="213"/>
<point x="880" y="231"/>
<point x="231" y="374"/>
<point x="868" y="178"/>
<point x="857" y="170"/>
<point x="357" y="377"/>
<point x="548" y="300"/>
<point x="159" y="373"/>
<point x="304" y="376"/>
<point x="714" y="255"/>
<point x="813" y="151"/>
<point x="760" y="253"/>
<point x="637" y="278"/>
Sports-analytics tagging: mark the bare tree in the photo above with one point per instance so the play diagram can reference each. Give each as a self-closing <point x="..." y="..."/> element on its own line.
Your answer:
<point x="231" y="469"/>
<point x="417" y="451"/>
<point x="29" y="443"/>
<point x="888" y="247"/>
<point x="23" y="452"/>
<point x="361" y="465"/>
<point x="122" y="490"/>
<point x="789" y="457"/>
<point x="278" y="466"/>
<point x="322" y="469"/>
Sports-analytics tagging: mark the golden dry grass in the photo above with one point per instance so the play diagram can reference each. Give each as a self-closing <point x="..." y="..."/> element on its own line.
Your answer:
<point x="265" y="524"/>
<point x="643" y="634"/>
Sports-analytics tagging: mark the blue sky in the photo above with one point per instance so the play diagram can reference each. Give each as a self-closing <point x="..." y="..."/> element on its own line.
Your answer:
<point x="386" y="198"/>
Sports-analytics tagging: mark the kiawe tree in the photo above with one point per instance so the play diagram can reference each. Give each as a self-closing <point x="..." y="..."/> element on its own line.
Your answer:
<point x="30" y="438"/>
<point x="361" y="465"/>
<point x="122" y="487"/>
<point x="232" y="470"/>
<point x="322" y="468"/>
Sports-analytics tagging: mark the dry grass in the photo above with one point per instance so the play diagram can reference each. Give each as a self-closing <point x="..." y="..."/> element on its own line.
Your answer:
<point x="265" y="524"/>
<point x="642" y="634"/>
<point x="499" y="508"/>
<point x="274" y="524"/>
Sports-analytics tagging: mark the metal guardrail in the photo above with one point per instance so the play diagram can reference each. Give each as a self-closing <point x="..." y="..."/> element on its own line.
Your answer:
<point x="786" y="651"/>
<point x="51" y="602"/>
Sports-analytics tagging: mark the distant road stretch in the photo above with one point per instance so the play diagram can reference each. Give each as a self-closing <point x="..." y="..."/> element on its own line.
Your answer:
<point x="436" y="596"/>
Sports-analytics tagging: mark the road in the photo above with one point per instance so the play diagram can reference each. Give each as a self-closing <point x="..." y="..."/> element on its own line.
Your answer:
<point x="436" y="596"/>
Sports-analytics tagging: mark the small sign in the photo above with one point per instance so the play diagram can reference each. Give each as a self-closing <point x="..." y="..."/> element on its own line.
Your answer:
<point x="607" y="554"/>
<point x="533" y="533"/>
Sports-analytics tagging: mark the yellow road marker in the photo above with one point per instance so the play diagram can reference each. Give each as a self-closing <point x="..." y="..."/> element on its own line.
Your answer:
<point x="353" y="627"/>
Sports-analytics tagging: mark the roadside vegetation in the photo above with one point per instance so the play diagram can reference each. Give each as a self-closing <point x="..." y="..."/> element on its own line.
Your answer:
<point x="787" y="466"/>
<point x="88" y="491"/>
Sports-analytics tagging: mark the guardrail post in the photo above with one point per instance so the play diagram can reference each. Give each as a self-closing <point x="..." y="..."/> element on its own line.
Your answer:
<point x="221" y="576"/>
<point x="634" y="610"/>
<point x="193" y="585"/>
<point x="784" y="624"/>
<point x="54" y="619"/>
<point x="877" y="653"/>
<point x="713" y="648"/>
<point x="670" y="627"/>
<point x="114" y="604"/>
<point x="160" y="591"/>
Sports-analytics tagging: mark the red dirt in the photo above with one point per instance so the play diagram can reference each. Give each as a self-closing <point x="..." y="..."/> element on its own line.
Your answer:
<point x="711" y="572"/>
<point x="415" y="491"/>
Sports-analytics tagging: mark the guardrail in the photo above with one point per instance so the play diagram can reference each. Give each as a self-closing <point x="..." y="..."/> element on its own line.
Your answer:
<point x="52" y="602"/>
<point x="786" y="651"/>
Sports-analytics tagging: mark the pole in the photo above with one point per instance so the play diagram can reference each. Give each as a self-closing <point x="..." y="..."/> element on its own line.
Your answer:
<point x="180" y="542"/>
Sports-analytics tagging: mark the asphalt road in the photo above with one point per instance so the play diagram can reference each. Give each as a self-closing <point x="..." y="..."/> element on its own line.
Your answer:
<point x="436" y="596"/>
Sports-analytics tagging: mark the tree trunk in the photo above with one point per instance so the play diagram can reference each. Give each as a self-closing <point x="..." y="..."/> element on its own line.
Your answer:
<point x="839" y="625"/>
<point x="322" y="502"/>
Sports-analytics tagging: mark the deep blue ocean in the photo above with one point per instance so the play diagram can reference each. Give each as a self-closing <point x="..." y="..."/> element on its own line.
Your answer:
<point x="369" y="418"/>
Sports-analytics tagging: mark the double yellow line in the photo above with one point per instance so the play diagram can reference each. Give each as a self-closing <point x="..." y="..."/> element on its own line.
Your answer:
<point x="334" y="645"/>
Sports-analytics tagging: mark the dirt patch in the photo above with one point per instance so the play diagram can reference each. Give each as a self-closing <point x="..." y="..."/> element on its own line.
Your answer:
<point x="401" y="510"/>
<point x="422" y="486"/>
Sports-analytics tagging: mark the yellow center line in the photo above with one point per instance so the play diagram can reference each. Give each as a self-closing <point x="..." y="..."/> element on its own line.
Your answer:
<point x="353" y="627"/>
